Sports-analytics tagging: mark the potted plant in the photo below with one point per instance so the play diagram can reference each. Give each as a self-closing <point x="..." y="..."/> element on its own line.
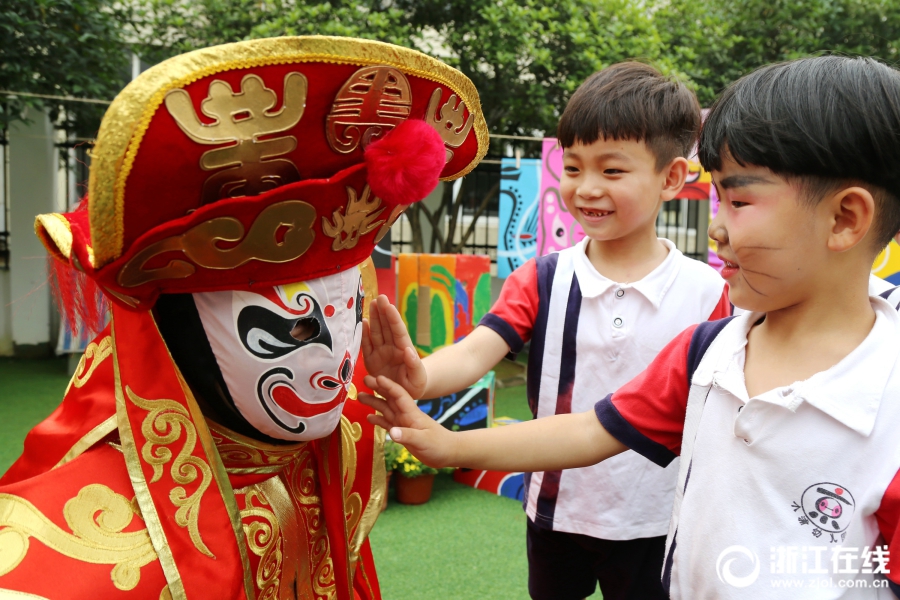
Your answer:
<point x="416" y="479"/>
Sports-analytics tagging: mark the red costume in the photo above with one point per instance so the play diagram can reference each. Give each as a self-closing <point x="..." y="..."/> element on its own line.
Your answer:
<point x="209" y="444"/>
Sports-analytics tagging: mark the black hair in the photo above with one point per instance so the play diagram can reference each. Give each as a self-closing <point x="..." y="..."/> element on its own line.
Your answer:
<point x="633" y="101"/>
<point x="825" y="122"/>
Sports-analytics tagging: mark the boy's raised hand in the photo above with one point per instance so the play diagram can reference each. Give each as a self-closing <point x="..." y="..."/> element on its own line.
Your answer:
<point x="407" y="424"/>
<point x="388" y="350"/>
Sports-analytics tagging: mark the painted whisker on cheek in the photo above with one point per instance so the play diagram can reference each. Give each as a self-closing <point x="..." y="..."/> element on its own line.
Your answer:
<point x="746" y="270"/>
<point x="749" y="285"/>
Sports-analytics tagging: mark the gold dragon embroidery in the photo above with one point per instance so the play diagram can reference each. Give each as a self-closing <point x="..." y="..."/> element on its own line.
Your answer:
<point x="96" y="353"/>
<point x="97" y="517"/>
<point x="163" y="425"/>
<point x="347" y="226"/>
<point x="264" y="538"/>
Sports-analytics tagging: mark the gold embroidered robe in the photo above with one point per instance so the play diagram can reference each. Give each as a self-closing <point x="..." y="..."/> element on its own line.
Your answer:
<point x="127" y="491"/>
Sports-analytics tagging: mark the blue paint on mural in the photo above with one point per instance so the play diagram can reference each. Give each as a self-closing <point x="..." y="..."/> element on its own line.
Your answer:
<point x="518" y="215"/>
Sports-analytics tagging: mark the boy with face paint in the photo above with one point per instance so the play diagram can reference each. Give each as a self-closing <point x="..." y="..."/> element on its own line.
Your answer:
<point x="785" y="417"/>
<point x="210" y="444"/>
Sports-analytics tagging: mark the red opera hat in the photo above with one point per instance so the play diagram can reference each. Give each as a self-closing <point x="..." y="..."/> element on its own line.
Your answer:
<point x="263" y="162"/>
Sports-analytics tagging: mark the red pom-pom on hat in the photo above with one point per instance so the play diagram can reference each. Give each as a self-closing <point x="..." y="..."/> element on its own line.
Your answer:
<point x="405" y="165"/>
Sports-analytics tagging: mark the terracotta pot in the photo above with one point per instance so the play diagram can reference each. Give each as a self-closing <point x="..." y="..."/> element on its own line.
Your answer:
<point x="414" y="490"/>
<point x="387" y="490"/>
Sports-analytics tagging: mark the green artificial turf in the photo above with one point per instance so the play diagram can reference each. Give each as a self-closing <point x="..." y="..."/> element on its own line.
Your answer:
<point x="29" y="391"/>
<point x="511" y="402"/>
<point x="464" y="543"/>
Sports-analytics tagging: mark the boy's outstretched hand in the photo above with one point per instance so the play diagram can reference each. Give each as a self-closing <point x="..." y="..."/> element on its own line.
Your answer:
<point x="547" y="444"/>
<point x="407" y="424"/>
<point x="388" y="350"/>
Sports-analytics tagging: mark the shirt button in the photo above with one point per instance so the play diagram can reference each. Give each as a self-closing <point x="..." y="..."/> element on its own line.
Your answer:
<point x="620" y="293"/>
<point x="618" y="322"/>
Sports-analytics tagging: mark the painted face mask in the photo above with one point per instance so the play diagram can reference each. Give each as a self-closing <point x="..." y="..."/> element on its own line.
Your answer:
<point x="287" y="355"/>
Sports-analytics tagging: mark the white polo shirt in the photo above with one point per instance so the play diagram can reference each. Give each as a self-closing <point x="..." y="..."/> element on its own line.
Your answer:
<point x="590" y="335"/>
<point x="877" y="285"/>
<point x="792" y="493"/>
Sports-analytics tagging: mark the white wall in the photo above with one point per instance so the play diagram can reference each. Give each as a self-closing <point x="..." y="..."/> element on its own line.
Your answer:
<point x="32" y="186"/>
<point x="6" y="344"/>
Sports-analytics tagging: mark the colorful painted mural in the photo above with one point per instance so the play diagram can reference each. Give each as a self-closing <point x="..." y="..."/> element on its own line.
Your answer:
<point x="698" y="183"/>
<point x="520" y="187"/>
<point x="887" y="264"/>
<point x="471" y="408"/>
<point x="557" y="228"/>
<point x="473" y="293"/>
<point x="442" y="296"/>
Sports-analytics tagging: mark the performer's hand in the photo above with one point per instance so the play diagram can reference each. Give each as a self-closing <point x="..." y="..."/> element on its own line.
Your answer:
<point x="407" y="424"/>
<point x="388" y="350"/>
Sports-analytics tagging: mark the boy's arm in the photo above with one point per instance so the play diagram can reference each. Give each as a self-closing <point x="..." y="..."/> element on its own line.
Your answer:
<point x="647" y="415"/>
<point x="888" y="518"/>
<point x="389" y="351"/>
<point x="552" y="443"/>
<point x="455" y="367"/>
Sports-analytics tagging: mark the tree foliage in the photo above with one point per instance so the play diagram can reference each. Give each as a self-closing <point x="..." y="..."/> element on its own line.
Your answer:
<point x="715" y="42"/>
<point x="368" y="19"/>
<point x="525" y="57"/>
<point x="164" y="28"/>
<point x="63" y="48"/>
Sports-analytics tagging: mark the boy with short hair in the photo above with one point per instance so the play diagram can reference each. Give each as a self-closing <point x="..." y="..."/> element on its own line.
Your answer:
<point x="596" y="315"/>
<point x="785" y="417"/>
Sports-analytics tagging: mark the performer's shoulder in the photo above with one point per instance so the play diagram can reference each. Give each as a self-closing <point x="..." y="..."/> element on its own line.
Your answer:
<point x="75" y="532"/>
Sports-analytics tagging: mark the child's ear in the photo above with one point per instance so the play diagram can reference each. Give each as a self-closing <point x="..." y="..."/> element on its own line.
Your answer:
<point x="676" y="173"/>
<point x="851" y="212"/>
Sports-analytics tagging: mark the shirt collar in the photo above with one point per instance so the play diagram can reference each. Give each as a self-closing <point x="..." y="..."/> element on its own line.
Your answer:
<point x="653" y="286"/>
<point x="849" y="392"/>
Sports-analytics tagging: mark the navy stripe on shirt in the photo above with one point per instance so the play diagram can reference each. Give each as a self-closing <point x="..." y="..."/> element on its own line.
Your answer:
<point x="701" y="340"/>
<point x="546" y="503"/>
<point x="504" y="330"/>
<point x="613" y="421"/>
<point x="546" y="269"/>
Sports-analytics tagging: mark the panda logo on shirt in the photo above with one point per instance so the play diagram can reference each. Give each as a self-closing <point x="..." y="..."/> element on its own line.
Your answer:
<point x="828" y="507"/>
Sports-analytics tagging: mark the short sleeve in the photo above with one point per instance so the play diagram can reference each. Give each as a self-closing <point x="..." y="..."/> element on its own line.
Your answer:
<point x="647" y="414"/>
<point x="723" y="308"/>
<point x="888" y="517"/>
<point x="513" y="315"/>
